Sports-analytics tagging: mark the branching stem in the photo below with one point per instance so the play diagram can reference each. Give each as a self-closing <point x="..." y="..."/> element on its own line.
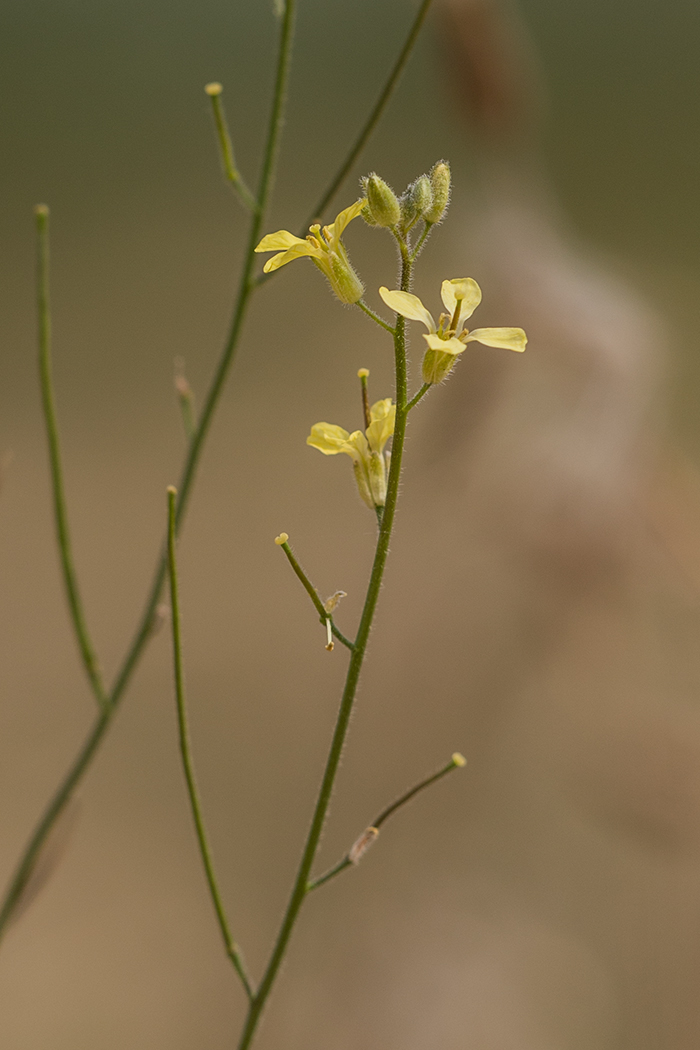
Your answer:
<point x="455" y="763"/>
<point x="314" y="595"/>
<point x="301" y="884"/>
<point x="419" y="396"/>
<point x="145" y="627"/>
<point x="375" y="317"/>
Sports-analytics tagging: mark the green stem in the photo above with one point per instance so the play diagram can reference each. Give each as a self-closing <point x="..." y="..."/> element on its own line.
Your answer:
<point x="229" y="943"/>
<point x="421" y="240"/>
<point x="77" y="614"/>
<point x="375" y="317"/>
<point x="301" y="884"/>
<point x="456" y="762"/>
<point x="52" y="813"/>
<point x="226" y="146"/>
<point x="374" y="116"/>
<point x="314" y="595"/>
<point x="419" y="396"/>
<point x="145" y="627"/>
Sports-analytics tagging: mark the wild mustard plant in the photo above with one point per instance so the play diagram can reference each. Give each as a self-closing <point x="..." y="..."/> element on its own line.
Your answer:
<point x="408" y="219"/>
<point x="377" y="474"/>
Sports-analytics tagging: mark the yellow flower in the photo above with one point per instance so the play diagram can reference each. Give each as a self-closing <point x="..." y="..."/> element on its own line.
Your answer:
<point x="447" y="338"/>
<point x="325" y="248"/>
<point x="370" y="461"/>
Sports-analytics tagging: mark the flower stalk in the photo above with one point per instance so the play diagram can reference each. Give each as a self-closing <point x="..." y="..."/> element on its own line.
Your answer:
<point x="301" y="883"/>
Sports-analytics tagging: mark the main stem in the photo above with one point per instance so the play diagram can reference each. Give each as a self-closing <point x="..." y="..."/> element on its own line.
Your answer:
<point x="246" y="286"/>
<point x="301" y="884"/>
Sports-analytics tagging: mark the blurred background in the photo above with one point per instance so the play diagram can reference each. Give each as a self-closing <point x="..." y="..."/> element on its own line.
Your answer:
<point x="541" y="610"/>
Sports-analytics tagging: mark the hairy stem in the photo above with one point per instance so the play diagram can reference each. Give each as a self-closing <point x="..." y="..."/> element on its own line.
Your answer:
<point x="301" y="884"/>
<point x="185" y="751"/>
<point x="419" y="396"/>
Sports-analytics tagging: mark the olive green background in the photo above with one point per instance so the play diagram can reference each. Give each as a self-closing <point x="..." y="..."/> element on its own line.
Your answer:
<point x="104" y="118"/>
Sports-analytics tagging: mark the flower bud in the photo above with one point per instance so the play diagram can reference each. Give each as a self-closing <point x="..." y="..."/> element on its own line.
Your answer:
<point x="440" y="185"/>
<point x="437" y="365"/>
<point x="382" y="202"/>
<point x="421" y="195"/>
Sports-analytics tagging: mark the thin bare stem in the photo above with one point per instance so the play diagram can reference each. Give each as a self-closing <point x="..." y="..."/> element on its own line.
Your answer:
<point x="231" y="948"/>
<point x="75" y="605"/>
<point x="314" y="595"/>
<point x="226" y="147"/>
<point x="144" y="629"/>
<point x="374" y="117"/>
<point x="456" y="762"/>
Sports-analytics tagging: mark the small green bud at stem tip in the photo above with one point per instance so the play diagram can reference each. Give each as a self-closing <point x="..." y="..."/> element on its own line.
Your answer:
<point x="282" y="538"/>
<point x="171" y="490"/>
<point x="458" y="760"/>
<point x="41" y="210"/>
<point x="440" y="180"/>
<point x="382" y="202"/>
<point x="213" y="89"/>
<point x="363" y="373"/>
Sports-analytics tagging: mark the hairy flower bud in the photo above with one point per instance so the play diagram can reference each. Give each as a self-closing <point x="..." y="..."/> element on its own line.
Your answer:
<point x="421" y="195"/>
<point x="382" y="202"/>
<point x="440" y="185"/>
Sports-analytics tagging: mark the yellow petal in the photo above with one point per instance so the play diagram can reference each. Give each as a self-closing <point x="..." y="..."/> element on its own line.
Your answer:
<point x="506" y="338"/>
<point x="445" y="346"/>
<point x="328" y="438"/>
<point x="466" y="290"/>
<point x="383" y="417"/>
<point x="408" y="306"/>
<point x="297" y="251"/>
<point x="346" y="216"/>
<point x="274" y="242"/>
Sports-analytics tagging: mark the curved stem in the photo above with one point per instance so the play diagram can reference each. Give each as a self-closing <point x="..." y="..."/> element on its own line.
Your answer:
<point x="75" y="605"/>
<point x="231" y="172"/>
<point x="246" y="285"/>
<point x="419" y="396"/>
<point x="301" y="884"/>
<point x="373" y="119"/>
<point x="456" y="762"/>
<point x="375" y="317"/>
<point x="229" y="943"/>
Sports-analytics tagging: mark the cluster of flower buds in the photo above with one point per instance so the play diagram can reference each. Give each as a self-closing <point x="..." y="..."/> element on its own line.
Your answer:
<point x="425" y="200"/>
